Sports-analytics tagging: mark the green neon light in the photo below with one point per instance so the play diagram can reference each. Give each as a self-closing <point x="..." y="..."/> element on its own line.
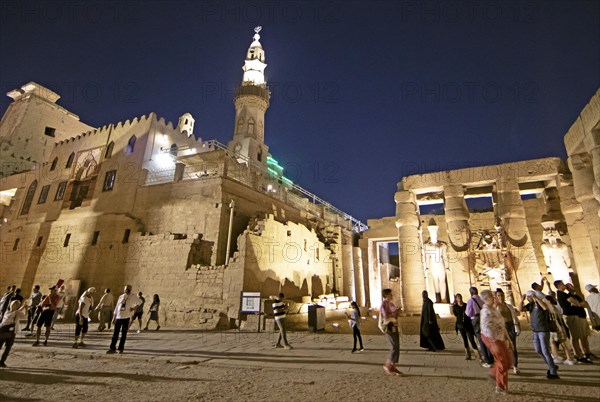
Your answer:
<point x="287" y="181"/>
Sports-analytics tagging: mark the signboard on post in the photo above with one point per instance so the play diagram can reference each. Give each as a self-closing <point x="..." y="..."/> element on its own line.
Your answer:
<point x="250" y="302"/>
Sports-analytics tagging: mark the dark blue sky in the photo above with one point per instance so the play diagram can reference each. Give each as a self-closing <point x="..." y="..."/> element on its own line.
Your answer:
<point x="363" y="93"/>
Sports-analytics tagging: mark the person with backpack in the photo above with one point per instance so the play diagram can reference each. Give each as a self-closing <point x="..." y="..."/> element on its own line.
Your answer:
<point x="473" y="311"/>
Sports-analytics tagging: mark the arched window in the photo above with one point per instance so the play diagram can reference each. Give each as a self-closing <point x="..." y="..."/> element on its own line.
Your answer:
<point x="54" y="162"/>
<point x="240" y="125"/>
<point x="131" y="145"/>
<point x="29" y="198"/>
<point x="109" y="150"/>
<point x="251" y="126"/>
<point x="186" y="120"/>
<point x="70" y="160"/>
<point x="173" y="150"/>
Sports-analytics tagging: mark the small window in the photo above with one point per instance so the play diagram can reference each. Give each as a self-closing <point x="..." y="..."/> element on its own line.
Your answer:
<point x="305" y="244"/>
<point x="67" y="239"/>
<point x="39" y="241"/>
<point x="109" y="149"/>
<point x="95" y="238"/>
<point x="173" y="150"/>
<point x="29" y="198"/>
<point x="44" y="194"/>
<point x="109" y="180"/>
<point x="70" y="160"/>
<point x="16" y="245"/>
<point x="60" y="191"/>
<point x="54" y="162"/>
<point x="130" y="145"/>
<point x="289" y="233"/>
<point x="50" y="131"/>
<point x="126" y="236"/>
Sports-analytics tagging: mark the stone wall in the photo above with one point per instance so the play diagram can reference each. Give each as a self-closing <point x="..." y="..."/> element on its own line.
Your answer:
<point x="285" y="257"/>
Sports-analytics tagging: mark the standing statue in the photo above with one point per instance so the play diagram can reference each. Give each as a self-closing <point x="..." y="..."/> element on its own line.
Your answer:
<point x="436" y="263"/>
<point x="556" y="252"/>
<point x="490" y="261"/>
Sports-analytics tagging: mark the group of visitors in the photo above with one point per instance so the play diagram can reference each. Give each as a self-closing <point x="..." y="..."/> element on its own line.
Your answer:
<point x="488" y="318"/>
<point x="43" y="309"/>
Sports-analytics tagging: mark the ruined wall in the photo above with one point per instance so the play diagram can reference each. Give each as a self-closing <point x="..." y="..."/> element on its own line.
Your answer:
<point x="284" y="257"/>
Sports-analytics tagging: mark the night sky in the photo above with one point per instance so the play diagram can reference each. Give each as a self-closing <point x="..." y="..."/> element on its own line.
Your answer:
<point x="363" y="93"/>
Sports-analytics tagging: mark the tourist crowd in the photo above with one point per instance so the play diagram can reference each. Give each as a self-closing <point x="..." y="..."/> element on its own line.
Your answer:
<point x="44" y="310"/>
<point x="558" y="322"/>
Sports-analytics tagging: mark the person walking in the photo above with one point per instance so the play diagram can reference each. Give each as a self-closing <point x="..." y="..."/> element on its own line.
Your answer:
<point x="388" y="323"/>
<point x="354" y="318"/>
<point x="279" y="313"/>
<point x="60" y="306"/>
<point x="34" y="300"/>
<point x="9" y="328"/>
<point x="138" y="313"/>
<point x="126" y="305"/>
<point x="153" y="312"/>
<point x="511" y="322"/>
<point x="6" y="299"/>
<point x="105" y="307"/>
<point x="82" y="316"/>
<point x="593" y="301"/>
<point x="573" y="307"/>
<point x="17" y="296"/>
<point x="541" y="327"/>
<point x="496" y="339"/>
<point x="48" y="304"/>
<point x="430" y="337"/>
<point x="473" y="311"/>
<point x="561" y="336"/>
<point x="463" y="325"/>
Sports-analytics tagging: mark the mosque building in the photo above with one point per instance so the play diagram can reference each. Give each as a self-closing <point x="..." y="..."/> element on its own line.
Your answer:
<point x="147" y="203"/>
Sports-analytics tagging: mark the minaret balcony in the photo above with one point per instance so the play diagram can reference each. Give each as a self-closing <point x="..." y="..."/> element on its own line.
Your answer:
<point x="250" y="89"/>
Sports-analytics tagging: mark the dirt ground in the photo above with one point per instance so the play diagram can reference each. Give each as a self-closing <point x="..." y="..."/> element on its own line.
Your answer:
<point x="181" y="365"/>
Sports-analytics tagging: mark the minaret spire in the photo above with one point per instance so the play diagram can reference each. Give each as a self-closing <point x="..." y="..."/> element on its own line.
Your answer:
<point x="254" y="66"/>
<point x="251" y="102"/>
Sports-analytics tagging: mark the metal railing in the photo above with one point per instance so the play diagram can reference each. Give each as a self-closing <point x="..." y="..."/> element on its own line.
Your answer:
<point x="207" y="169"/>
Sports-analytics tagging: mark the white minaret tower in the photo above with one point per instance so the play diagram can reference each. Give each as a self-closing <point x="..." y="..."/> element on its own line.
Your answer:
<point x="251" y="102"/>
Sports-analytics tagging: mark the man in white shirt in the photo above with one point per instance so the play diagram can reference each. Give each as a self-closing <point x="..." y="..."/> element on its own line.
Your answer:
<point x="593" y="300"/>
<point x="126" y="305"/>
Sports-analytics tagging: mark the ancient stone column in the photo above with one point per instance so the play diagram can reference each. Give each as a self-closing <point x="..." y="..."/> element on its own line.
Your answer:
<point x="553" y="207"/>
<point x="583" y="254"/>
<point x="457" y="222"/>
<point x="365" y="276"/>
<point x="359" y="284"/>
<point x="348" y="288"/>
<point x="512" y="214"/>
<point x="583" y="182"/>
<point x="409" y="245"/>
<point x="592" y="144"/>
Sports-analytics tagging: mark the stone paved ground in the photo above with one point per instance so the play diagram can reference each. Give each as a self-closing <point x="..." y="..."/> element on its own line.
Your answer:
<point x="179" y="364"/>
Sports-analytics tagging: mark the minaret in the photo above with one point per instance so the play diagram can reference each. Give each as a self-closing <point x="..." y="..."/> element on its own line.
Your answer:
<point x="251" y="102"/>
